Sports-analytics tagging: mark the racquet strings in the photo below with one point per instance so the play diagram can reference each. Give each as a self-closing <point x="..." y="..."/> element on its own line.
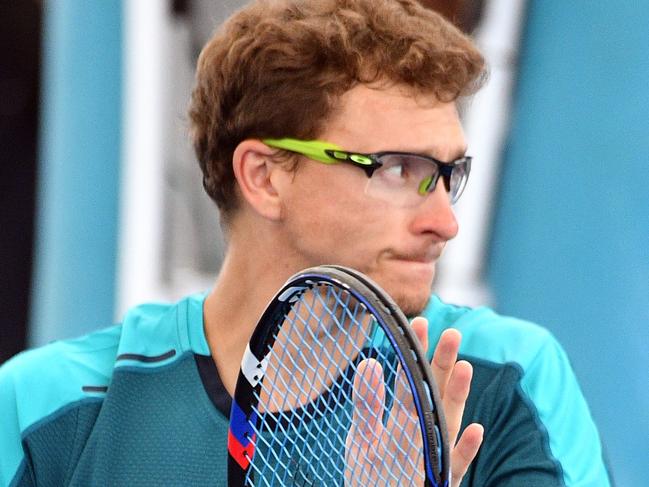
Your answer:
<point x="307" y="426"/>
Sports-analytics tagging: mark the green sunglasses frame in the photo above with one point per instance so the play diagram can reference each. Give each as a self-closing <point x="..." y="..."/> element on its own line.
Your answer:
<point x="329" y="153"/>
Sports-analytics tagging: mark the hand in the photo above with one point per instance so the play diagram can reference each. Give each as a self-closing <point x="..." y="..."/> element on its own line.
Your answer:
<point x="368" y="440"/>
<point x="453" y="380"/>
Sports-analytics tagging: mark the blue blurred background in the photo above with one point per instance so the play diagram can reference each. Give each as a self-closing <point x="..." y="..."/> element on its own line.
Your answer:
<point x="569" y="243"/>
<point x="570" y="247"/>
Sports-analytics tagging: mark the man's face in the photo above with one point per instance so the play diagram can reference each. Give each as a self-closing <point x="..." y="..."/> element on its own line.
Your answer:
<point x="329" y="219"/>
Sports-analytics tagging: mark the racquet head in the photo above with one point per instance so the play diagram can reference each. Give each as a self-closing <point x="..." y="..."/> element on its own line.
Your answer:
<point x="335" y="390"/>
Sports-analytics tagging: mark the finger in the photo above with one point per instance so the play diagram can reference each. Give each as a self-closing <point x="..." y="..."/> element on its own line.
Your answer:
<point x="420" y="326"/>
<point x="368" y="399"/>
<point x="465" y="451"/>
<point x="445" y="357"/>
<point x="402" y="425"/>
<point x="401" y="431"/>
<point x="362" y="445"/>
<point x="402" y="392"/>
<point x="457" y="391"/>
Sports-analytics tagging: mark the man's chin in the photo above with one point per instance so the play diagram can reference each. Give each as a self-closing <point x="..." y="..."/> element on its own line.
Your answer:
<point x="411" y="305"/>
<point x="411" y="301"/>
<point x="411" y="296"/>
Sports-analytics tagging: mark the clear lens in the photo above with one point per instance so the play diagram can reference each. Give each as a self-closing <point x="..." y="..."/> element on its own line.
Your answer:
<point x="459" y="177"/>
<point x="405" y="180"/>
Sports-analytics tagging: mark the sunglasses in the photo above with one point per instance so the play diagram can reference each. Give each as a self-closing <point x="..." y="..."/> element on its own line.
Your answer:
<point x="401" y="178"/>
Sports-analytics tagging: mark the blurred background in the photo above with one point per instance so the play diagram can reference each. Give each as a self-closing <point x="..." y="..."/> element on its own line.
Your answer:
<point x="101" y="203"/>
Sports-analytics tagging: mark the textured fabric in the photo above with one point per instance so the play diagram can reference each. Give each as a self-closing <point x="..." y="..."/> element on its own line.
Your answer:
<point x="129" y="405"/>
<point x="523" y="380"/>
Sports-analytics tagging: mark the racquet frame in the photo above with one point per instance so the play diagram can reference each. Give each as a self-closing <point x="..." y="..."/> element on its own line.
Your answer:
<point x="397" y="330"/>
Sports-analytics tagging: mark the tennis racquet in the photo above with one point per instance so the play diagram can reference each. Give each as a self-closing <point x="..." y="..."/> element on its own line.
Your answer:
<point x="334" y="390"/>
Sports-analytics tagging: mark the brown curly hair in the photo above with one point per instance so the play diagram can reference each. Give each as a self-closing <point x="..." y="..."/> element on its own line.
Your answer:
<point x="277" y="67"/>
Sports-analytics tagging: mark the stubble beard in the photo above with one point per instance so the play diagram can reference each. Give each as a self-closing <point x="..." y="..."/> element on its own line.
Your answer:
<point x="411" y="305"/>
<point x="411" y="301"/>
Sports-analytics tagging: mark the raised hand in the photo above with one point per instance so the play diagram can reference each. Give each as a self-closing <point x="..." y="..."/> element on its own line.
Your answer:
<point x="380" y="455"/>
<point x="453" y="380"/>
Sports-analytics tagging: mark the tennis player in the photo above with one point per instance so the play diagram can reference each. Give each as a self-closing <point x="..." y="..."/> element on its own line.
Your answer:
<point x="327" y="132"/>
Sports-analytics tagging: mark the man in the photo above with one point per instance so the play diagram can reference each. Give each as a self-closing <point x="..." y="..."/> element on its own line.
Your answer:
<point x="290" y="95"/>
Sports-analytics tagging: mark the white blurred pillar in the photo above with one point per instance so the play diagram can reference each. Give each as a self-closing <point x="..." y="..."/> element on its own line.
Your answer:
<point x="461" y="269"/>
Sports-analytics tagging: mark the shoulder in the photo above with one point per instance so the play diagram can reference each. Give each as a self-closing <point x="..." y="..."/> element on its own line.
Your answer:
<point x="489" y="336"/>
<point x="38" y="385"/>
<point x="44" y="379"/>
<point x="539" y="366"/>
<point x="524" y="356"/>
<point x="58" y="373"/>
<point x="532" y="366"/>
<point x="158" y="334"/>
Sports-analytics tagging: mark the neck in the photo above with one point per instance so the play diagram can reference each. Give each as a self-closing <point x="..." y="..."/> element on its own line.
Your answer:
<point x="243" y="289"/>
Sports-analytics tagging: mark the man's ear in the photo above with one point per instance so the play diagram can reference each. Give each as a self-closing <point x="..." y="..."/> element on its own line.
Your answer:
<point x="253" y="167"/>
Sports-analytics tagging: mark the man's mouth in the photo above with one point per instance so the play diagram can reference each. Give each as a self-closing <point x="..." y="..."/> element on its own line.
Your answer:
<point x="427" y="257"/>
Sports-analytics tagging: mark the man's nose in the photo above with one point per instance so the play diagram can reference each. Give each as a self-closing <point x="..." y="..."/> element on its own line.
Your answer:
<point x="436" y="215"/>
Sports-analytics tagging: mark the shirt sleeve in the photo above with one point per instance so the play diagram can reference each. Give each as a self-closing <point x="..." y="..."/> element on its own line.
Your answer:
<point x="14" y="465"/>
<point x="538" y="429"/>
<point x="550" y="385"/>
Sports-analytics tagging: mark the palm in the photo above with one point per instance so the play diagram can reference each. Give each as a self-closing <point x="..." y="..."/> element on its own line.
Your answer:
<point x="379" y="454"/>
<point x="370" y="443"/>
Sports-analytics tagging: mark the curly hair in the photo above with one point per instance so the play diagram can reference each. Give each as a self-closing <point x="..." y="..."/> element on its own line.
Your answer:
<point x="277" y="67"/>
